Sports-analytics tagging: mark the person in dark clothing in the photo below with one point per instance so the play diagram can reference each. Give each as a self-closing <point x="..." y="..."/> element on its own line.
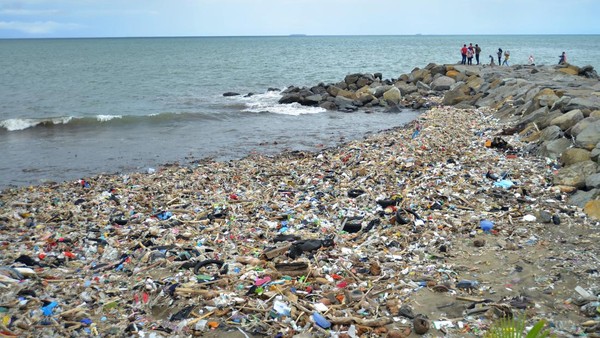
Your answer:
<point x="562" y="58"/>
<point x="477" y="52"/>
<point x="499" y="56"/>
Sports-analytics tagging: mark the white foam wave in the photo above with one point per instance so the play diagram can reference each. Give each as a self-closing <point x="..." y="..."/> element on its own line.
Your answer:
<point x="268" y="102"/>
<point x="21" y="124"/>
<point x="106" y="118"/>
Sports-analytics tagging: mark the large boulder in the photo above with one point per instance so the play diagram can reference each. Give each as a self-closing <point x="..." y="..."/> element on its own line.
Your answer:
<point x="589" y="137"/>
<point x="555" y="148"/>
<point x="551" y="133"/>
<point x="584" y="104"/>
<point x="593" y="181"/>
<point x="569" y="119"/>
<point x="581" y="125"/>
<point x="345" y="104"/>
<point x="458" y="93"/>
<point x="393" y="96"/>
<point x="442" y="83"/>
<point x="545" y="98"/>
<point x="575" y="174"/>
<point x="378" y="91"/>
<point x="574" y="155"/>
<point x="406" y="88"/>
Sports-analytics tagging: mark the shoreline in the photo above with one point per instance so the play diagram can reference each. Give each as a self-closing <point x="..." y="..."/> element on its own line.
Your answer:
<point x="115" y="254"/>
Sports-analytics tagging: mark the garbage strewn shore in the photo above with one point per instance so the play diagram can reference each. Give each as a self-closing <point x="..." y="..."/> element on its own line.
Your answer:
<point x="426" y="229"/>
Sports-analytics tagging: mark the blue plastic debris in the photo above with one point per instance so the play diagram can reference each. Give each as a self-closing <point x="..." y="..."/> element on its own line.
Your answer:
<point x="321" y="321"/>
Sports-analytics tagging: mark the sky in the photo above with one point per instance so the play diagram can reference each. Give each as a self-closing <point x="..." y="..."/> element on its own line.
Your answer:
<point x="135" y="18"/>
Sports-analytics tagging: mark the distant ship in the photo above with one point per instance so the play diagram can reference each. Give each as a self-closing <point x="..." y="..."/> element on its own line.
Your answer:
<point x="297" y="34"/>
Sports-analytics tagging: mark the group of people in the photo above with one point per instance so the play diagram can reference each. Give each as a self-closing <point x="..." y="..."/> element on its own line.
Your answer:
<point x="467" y="54"/>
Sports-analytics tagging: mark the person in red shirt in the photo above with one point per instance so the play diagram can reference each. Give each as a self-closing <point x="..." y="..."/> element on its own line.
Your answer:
<point x="463" y="53"/>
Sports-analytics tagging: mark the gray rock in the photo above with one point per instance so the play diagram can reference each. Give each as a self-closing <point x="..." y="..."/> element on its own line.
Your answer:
<point x="378" y="91"/>
<point x="423" y="86"/>
<point x="581" y="197"/>
<point x="568" y="119"/>
<point x="581" y="125"/>
<point x="345" y="104"/>
<point x="329" y="105"/>
<point x="551" y="133"/>
<point x="589" y="137"/>
<point x="595" y="153"/>
<point x="593" y="181"/>
<point x="561" y="103"/>
<point x="405" y="88"/>
<point x="583" y="103"/>
<point x="442" y="83"/>
<point x="574" y="155"/>
<point x="575" y="174"/>
<point x="555" y="148"/>
<point x="312" y="100"/>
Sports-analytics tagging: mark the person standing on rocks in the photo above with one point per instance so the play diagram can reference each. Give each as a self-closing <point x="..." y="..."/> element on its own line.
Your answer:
<point x="499" y="56"/>
<point x="477" y="52"/>
<point x="470" y="56"/>
<point x="506" y="57"/>
<point x="562" y="58"/>
<point x="463" y="53"/>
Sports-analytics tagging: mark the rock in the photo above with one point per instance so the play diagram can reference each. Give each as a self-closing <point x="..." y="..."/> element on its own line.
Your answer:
<point x="545" y="98"/>
<point x="582" y="103"/>
<point x="589" y="137"/>
<point x="581" y="125"/>
<point x="290" y="98"/>
<point x="312" y="100"/>
<point x="392" y="96"/>
<point x="568" y="120"/>
<point x="329" y="105"/>
<point x="352" y="78"/>
<point x="406" y="88"/>
<point x="569" y="70"/>
<point x="452" y="73"/>
<point x="592" y="209"/>
<point x="551" y="133"/>
<point x="456" y="95"/>
<point x="576" y="174"/>
<point x="593" y="181"/>
<point x="581" y="197"/>
<point x="595" y="153"/>
<point x="378" y="91"/>
<point x="442" y="83"/>
<point x="345" y="104"/>
<point x="561" y="104"/>
<point x="555" y="148"/>
<point x="231" y="94"/>
<point x="574" y="155"/>
<point x="423" y="86"/>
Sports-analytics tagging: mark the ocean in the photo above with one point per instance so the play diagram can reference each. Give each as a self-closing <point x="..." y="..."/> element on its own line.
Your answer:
<point x="74" y="108"/>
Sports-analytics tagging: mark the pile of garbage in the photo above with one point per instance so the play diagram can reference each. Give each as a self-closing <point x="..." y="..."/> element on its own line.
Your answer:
<point x="438" y="227"/>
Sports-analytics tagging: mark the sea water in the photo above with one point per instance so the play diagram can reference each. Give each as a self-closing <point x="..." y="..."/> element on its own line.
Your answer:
<point x="72" y="108"/>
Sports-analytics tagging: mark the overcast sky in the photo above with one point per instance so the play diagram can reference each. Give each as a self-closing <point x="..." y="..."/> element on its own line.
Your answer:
<point x="125" y="18"/>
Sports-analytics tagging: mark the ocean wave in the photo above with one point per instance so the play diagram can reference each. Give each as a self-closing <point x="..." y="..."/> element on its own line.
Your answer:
<point x="269" y="103"/>
<point x="18" y="124"/>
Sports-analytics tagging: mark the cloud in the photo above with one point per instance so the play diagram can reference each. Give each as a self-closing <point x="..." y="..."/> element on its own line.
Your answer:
<point x="39" y="27"/>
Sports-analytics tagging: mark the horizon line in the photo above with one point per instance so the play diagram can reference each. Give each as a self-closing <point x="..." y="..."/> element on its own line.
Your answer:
<point x="296" y="35"/>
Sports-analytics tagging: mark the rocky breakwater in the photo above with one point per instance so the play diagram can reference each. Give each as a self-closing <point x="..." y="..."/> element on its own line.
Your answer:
<point x="556" y="109"/>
